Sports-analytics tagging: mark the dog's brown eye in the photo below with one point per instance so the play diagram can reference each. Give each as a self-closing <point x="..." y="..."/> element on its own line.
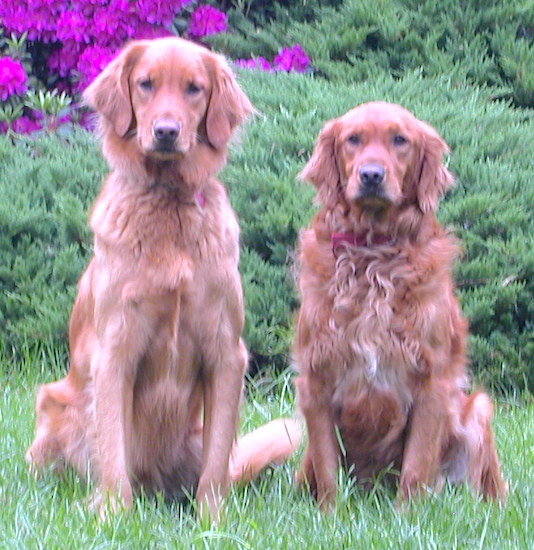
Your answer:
<point x="353" y="139"/>
<point x="192" y="89"/>
<point x="399" y="140"/>
<point x="146" y="84"/>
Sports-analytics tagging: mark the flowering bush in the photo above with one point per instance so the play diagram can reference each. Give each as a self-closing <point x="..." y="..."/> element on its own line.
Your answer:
<point x="206" y="20"/>
<point x="22" y="125"/>
<point x="13" y="78"/>
<point x="256" y="63"/>
<point x="64" y="44"/>
<point x="292" y="59"/>
<point x="288" y="59"/>
<point x="78" y="34"/>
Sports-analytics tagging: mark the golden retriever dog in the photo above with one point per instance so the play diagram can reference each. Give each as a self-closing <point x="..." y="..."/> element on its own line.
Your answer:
<point x="157" y="361"/>
<point x="380" y="343"/>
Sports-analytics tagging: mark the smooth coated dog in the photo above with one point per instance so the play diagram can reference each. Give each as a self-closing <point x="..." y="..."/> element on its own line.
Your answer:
<point x="152" y="395"/>
<point x="381" y="343"/>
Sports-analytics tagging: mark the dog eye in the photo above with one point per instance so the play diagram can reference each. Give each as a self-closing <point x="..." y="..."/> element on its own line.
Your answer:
<point x="353" y="139"/>
<point x="399" y="140"/>
<point x="192" y="89"/>
<point x="146" y="84"/>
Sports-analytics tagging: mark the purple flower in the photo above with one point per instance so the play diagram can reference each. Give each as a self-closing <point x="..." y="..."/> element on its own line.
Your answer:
<point x="75" y="26"/>
<point x="257" y="63"/>
<point x="91" y="62"/>
<point x="159" y="12"/>
<point x="288" y="59"/>
<point x="206" y="20"/>
<point x="32" y="18"/>
<point x="146" y="31"/>
<point x="25" y="125"/>
<point x="77" y="38"/>
<point x="12" y="78"/>
<point x="64" y="60"/>
<point x="292" y="59"/>
<point x="114" y="23"/>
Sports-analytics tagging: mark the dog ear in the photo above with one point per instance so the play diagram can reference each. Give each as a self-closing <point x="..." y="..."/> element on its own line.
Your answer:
<point x="109" y="93"/>
<point x="433" y="179"/>
<point x="228" y="105"/>
<point x="322" y="168"/>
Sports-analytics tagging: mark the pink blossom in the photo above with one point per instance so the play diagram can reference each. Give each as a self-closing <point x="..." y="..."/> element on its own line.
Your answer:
<point x="113" y="23"/>
<point x="25" y="125"/>
<point x="146" y="31"/>
<point x="77" y="38"/>
<point x="288" y="59"/>
<point x="73" y="25"/>
<point x="257" y="63"/>
<point x="34" y="17"/>
<point x="65" y="59"/>
<point x="12" y="78"/>
<point x="159" y="12"/>
<point x="206" y="20"/>
<point x="91" y="62"/>
<point x="292" y="59"/>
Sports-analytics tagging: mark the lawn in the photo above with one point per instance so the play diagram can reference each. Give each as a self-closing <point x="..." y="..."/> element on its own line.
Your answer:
<point x="267" y="514"/>
<point x="449" y="79"/>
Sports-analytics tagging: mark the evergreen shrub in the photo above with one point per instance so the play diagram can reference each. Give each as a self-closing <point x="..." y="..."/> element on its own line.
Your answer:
<point x="487" y="42"/>
<point x="47" y="185"/>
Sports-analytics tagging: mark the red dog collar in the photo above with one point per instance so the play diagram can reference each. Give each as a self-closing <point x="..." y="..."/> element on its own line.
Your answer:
<point x="361" y="240"/>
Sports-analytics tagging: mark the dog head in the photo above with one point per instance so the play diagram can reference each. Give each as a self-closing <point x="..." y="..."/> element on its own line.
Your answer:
<point x="378" y="155"/>
<point x="169" y="94"/>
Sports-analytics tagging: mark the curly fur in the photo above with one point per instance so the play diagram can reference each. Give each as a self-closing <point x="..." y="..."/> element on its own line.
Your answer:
<point x="380" y="344"/>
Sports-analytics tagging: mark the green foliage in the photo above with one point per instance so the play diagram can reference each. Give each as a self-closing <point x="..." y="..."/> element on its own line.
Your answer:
<point x="478" y="41"/>
<point x="47" y="186"/>
<point x="490" y="208"/>
<point x="259" y="12"/>
<point x="52" y="512"/>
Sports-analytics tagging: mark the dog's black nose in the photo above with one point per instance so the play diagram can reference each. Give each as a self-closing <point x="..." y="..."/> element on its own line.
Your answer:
<point x="166" y="130"/>
<point x="371" y="175"/>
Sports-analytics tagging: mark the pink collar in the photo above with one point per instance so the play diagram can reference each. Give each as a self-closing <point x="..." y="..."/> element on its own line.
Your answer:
<point x="200" y="199"/>
<point x="361" y="240"/>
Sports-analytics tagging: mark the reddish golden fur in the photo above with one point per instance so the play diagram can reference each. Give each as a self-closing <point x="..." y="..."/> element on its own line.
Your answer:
<point x="155" y="333"/>
<point x="380" y="345"/>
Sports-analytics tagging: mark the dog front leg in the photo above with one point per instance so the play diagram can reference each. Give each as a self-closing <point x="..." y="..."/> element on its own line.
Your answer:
<point x="222" y="395"/>
<point x="321" y="459"/>
<point x="113" y="402"/>
<point x="424" y="442"/>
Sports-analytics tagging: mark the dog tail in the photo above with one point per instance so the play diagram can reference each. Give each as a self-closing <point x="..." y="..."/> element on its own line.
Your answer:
<point x="484" y="468"/>
<point x="272" y="443"/>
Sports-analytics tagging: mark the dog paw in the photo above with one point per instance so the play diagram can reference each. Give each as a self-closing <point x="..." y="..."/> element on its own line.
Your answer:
<point x="105" y="504"/>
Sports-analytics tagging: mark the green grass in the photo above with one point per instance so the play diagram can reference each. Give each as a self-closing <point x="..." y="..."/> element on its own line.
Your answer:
<point x="269" y="513"/>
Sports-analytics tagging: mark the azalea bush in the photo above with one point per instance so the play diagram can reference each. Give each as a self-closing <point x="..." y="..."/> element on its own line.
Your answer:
<point x="71" y="41"/>
<point x="58" y="47"/>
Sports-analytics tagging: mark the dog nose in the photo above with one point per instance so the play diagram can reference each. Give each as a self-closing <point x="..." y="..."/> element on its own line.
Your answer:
<point x="166" y="130"/>
<point x="371" y="175"/>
